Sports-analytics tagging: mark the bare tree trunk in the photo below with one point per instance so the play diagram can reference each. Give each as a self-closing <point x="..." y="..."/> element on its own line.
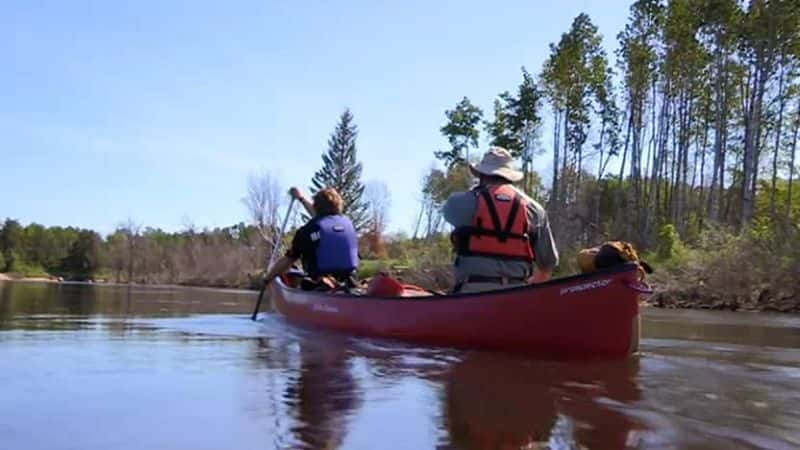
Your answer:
<point x="564" y="176"/>
<point x="752" y="137"/>
<point x="636" y="156"/>
<point x="685" y="140"/>
<point x="578" y="173"/>
<point x="651" y="152"/>
<point x="672" y="178"/>
<point x="701" y="200"/>
<point x="619" y="198"/>
<point x="625" y="150"/>
<point x="720" y="117"/>
<point x="782" y="104"/>
<point x="600" y="161"/>
<point x="792" y="162"/>
<point x="556" y="144"/>
<point x="419" y="221"/>
<point x="659" y="157"/>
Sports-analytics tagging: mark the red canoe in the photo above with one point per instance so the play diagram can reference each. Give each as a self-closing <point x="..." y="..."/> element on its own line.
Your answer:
<point x="590" y="315"/>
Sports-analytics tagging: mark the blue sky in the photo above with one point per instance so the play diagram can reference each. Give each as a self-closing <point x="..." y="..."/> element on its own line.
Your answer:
<point x="158" y="111"/>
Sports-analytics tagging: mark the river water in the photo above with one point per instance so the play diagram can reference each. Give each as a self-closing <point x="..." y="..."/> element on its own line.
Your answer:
<point x="103" y="367"/>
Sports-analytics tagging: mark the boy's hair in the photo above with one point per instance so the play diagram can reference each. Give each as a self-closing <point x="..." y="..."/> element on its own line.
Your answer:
<point x="327" y="202"/>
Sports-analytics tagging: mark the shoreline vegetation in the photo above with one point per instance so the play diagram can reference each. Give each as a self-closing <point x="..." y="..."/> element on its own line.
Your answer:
<point x="682" y="142"/>
<point x="722" y="271"/>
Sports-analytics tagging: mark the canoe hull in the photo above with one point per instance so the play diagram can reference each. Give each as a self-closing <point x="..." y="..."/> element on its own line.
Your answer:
<point x="593" y="315"/>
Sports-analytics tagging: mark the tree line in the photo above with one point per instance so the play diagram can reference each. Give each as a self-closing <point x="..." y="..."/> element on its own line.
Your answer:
<point x="692" y="123"/>
<point x="219" y="257"/>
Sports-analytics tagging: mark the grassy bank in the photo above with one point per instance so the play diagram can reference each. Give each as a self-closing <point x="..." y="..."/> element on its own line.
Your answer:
<point x="753" y="271"/>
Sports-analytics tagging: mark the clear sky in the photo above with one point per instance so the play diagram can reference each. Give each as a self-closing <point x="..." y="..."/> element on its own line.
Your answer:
<point x="158" y="110"/>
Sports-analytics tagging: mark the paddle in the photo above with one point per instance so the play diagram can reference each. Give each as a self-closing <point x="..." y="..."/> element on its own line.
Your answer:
<point x="272" y="257"/>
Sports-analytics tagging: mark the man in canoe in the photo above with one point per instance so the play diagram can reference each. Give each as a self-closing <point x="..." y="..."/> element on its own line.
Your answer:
<point x="327" y="244"/>
<point x="499" y="231"/>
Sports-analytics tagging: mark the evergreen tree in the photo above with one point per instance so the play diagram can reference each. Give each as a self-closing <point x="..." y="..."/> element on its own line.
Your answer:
<point x="499" y="129"/>
<point x="342" y="171"/>
<point x="11" y="241"/>
<point x="84" y="257"/>
<point x="461" y="130"/>
<point x="516" y="118"/>
<point x="575" y="75"/>
<point x="517" y="123"/>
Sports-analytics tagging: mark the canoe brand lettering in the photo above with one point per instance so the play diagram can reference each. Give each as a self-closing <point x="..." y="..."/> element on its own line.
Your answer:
<point x="585" y="287"/>
<point x="325" y="308"/>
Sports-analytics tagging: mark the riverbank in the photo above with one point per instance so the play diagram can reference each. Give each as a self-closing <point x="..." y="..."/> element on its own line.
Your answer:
<point x="13" y="277"/>
<point x="765" y="298"/>
<point x="733" y="281"/>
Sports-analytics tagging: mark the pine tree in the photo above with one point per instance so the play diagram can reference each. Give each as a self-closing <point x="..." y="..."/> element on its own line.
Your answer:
<point x="575" y="74"/>
<point x="342" y="171"/>
<point x="499" y="130"/>
<point x="83" y="258"/>
<point x="516" y="117"/>
<point x="461" y="131"/>
<point x="517" y="123"/>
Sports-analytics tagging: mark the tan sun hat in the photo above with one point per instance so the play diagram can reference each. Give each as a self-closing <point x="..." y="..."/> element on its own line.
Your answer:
<point x="499" y="162"/>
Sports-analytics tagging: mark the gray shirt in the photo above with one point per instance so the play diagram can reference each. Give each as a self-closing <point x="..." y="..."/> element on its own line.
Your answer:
<point x="459" y="210"/>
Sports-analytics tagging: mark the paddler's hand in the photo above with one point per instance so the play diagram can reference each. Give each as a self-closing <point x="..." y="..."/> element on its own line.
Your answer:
<point x="296" y="193"/>
<point x="268" y="278"/>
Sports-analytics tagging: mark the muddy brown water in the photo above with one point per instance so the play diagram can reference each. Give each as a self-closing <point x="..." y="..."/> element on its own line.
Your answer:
<point x="103" y="367"/>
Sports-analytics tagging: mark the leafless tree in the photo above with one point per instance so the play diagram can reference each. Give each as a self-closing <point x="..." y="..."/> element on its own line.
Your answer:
<point x="263" y="202"/>
<point x="378" y="202"/>
<point x="132" y="232"/>
<point x="377" y="199"/>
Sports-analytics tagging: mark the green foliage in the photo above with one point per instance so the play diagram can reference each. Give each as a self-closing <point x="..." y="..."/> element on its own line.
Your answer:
<point x="669" y="242"/>
<point x="11" y="240"/>
<point x="461" y="131"/>
<point x="499" y="129"/>
<point x="637" y="47"/>
<point x="84" y="256"/>
<point x="24" y="270"/>
<point x="576" y="70"/>
<point x="341" y="170"/>
<point x="762" y="231"/>
<point x="517" y="118"/>
<point x="781" y="196"/>
<point x="750" y="269"/>
<point x="439" y="185"/>
<point x="13" y="261"/>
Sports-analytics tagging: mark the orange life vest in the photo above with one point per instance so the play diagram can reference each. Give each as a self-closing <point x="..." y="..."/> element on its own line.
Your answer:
<point x="499" y="227"/>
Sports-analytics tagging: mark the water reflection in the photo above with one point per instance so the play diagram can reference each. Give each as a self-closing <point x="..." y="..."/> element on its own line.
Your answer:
<point x="704" y="381"/>
<point x="22" y="300"/>
<point x="486" y="401"/>
<point x="503" y="402"/>
<point x="322" y="395"/>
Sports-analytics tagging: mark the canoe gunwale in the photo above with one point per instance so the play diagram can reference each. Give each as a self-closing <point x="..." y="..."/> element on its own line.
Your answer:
<point x="628" y="267"/>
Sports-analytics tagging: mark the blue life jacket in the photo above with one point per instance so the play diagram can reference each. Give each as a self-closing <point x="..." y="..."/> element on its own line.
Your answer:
<point x="337" y="251"/>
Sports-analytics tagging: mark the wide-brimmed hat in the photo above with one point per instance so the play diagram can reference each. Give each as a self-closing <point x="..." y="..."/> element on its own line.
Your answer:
<point x="498" y="162"/>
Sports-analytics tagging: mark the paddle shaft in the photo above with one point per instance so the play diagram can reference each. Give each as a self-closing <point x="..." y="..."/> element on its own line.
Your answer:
<point x="273" y="258"/>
